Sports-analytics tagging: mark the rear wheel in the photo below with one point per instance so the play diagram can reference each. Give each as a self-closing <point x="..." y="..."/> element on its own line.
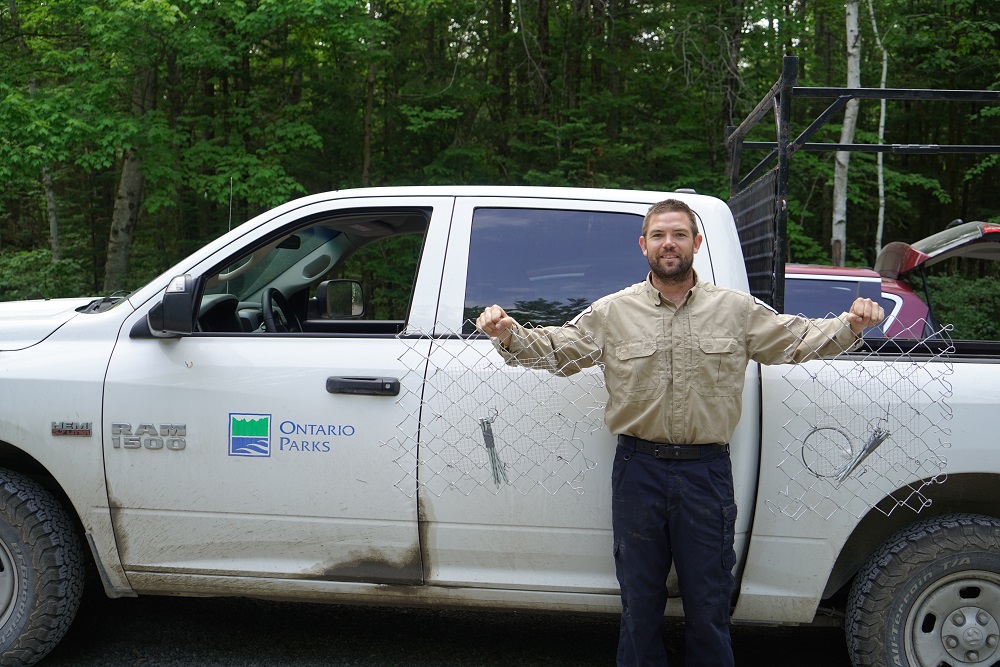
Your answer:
<point x="930" y="597"/>
<point x="41" y="571"/>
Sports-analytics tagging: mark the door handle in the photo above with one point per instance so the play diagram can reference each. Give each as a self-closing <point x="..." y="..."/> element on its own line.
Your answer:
<point x="367" y="386"/>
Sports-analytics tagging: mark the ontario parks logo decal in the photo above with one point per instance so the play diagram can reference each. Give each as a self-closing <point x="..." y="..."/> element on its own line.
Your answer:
<point x="249" y="434"/>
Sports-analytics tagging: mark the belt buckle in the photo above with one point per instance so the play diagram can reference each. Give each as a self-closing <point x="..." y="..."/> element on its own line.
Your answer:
<point x="665" y="452"/>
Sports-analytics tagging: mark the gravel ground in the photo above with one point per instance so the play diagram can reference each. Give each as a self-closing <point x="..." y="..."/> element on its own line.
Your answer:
<point x="223" y="632"/>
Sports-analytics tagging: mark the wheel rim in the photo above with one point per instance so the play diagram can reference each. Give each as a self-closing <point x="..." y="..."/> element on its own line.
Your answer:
<point x="9" y="583"/>
<point x="955" y="621"/>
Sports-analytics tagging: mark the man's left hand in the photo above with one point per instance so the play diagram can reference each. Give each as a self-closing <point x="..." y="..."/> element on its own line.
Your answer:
<point x="864" y="313"/>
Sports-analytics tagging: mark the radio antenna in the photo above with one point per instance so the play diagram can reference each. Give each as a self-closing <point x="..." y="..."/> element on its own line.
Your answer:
<point x="230" y="203"/>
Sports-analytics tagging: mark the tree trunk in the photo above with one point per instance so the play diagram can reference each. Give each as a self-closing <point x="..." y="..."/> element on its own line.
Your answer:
<point x="499" y="76"/>
<point x="366" y="142"/>
<point x="52" y="212"/>
<point x="128" y="199"/>
<point x="50" y="192"/>
<point x="544" y="56"/>
<point x="366" y="139"/>
<point x="616" y="46"/>
<point x="572" y="60"/>
<point x="838" y="236"/>
<point x="732" y="76"/>
<point x="881" y="134"/>
<point x="598" y="16"/>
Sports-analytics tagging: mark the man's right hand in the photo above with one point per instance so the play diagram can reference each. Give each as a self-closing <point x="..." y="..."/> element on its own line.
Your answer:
<point x="495" y="323"/>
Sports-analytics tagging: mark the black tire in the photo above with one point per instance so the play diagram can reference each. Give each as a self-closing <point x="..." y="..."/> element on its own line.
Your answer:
<point x="41" y="571"/>
<point x="929" y="597"/>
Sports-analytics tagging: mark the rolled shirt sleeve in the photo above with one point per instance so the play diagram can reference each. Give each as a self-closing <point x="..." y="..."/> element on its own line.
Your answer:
<point x="564" y="350"/>
<point x="774" y="338"/>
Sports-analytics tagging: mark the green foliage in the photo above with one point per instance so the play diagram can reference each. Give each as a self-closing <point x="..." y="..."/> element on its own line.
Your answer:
<point x="260" y="101"/>
<point x="424" y="120"/>
<point x="567" y="153"/>
<point x="803" y="248"/>
<point x="972" y="305"/>
<point x="387" y="271"/>
<point x="31" y="274"/>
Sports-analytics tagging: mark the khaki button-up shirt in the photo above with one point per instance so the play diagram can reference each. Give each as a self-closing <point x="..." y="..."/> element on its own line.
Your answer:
<point x="675" y="373"/>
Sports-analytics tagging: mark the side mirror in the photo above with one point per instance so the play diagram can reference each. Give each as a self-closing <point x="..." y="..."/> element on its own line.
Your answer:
<point x="174" y="316"/>
<point x="342" y="299"/>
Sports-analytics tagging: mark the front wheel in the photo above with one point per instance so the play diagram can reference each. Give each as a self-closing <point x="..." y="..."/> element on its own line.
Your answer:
<point x="930" y="597"/>
<point x="41" y="571"/>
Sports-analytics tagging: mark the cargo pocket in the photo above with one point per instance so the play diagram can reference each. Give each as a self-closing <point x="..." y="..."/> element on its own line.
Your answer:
<point x="619" y="554"/>
<point x="728" y="536"/>
<point x="721" y="368"/>
<point x="639" y="369"/>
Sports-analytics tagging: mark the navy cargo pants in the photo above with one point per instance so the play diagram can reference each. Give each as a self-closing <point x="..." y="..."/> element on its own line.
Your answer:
<point x="681" y="512"/>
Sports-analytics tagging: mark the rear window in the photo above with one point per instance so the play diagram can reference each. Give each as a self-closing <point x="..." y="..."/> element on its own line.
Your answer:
<point x="544" y="267"/>
<point x="819" y="297"/>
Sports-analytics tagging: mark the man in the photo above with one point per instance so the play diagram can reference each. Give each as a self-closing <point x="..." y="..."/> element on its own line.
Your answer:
<point x="675" y="351"/>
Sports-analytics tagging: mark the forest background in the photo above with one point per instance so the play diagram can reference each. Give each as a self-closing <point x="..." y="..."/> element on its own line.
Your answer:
<point x="134" y="131"/>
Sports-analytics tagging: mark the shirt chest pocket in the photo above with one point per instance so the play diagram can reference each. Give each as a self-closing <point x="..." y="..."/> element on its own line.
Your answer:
<point x="639" y="368"/>
<point x="720" y="366"/>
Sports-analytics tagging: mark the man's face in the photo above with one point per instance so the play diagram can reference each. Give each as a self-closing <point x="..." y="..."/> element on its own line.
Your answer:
<point x="669" y="245"/>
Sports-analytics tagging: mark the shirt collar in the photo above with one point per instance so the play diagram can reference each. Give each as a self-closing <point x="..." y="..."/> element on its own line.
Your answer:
<point x="651" y="293"/>
<point x="654" y="296"/>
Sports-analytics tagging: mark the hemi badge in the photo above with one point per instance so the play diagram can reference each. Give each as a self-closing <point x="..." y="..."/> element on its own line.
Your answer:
<point x="72" y="428"/>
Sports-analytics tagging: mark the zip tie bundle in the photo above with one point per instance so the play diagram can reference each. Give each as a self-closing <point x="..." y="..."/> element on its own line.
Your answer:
<point x="495" y="464"/>
<point x="878" y="436"/>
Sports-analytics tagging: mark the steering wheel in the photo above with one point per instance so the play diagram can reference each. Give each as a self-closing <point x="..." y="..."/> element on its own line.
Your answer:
<point x="285" y="320"/>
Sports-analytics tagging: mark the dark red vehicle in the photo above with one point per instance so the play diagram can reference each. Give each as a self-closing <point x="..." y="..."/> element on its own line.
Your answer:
<point x="817" y="291"/>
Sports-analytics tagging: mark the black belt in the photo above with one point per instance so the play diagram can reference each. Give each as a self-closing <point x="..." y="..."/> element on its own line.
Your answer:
<point x="665" y="451"/>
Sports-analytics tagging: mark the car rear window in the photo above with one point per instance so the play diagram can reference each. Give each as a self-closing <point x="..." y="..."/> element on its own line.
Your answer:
<point x="819" y="297"/>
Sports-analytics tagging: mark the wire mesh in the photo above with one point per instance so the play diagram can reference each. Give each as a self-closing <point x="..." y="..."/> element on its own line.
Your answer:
<point x="867" y="430"/>
<point x="861" y="430"/>
<point x="483" y="424"/>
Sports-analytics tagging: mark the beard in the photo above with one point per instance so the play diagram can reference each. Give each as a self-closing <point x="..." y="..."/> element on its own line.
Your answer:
<point x="678" y="274"/>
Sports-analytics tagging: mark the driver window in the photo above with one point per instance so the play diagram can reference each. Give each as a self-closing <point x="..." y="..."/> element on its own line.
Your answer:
<point x="350" y="273"/>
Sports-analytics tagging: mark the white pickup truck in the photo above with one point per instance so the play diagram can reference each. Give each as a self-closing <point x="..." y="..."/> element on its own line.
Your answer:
<point x="222" y="431"/>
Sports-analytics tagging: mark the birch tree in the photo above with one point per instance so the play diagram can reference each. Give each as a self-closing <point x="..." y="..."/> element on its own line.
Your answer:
<point x="881" y="132"/>
<point x="128" y="198"/>
<point x="838" y="240"/>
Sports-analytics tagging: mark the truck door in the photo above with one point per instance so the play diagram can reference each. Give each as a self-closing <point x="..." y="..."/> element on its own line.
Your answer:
<point x="544" y="261"/>
<point x="255" y="450"/>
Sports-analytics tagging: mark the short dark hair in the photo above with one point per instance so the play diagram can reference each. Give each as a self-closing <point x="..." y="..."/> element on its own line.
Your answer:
<point x="667" y="206"/>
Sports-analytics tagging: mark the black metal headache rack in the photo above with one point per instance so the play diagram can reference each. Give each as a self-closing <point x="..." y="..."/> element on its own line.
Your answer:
<point x="759" y="200"/>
